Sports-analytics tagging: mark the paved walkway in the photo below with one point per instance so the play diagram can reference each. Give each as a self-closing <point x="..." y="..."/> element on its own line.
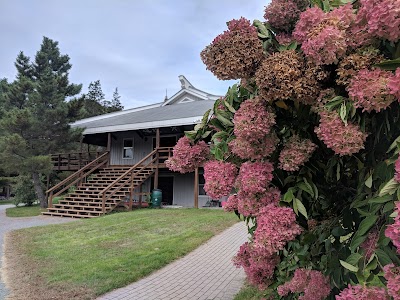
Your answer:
<point x="8" y="224"/>
<point x="205" y="273"/>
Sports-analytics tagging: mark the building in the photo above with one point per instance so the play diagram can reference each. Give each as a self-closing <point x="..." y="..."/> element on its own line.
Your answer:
<point x="137" y="143"/>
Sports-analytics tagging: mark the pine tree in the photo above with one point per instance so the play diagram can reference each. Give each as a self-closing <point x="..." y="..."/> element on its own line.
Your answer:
<point x="94" y="101"/>
<point x="37" y="122"/>
<point x="115" y="102"/>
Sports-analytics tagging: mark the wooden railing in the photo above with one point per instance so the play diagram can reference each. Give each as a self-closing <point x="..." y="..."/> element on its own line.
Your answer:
<point x="164" y="153"/>
<point x="77" y="178"/>
<point x="128" y="179"/>
<point x="73" y="161"/>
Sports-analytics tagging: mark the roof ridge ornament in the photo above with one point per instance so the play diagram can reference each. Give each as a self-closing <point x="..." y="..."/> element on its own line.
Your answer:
<point x="185" y="84"/>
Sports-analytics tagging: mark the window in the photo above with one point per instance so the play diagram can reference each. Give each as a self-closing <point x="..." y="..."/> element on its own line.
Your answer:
<point x="202" y="192"/>
<point x="127" y="149"/>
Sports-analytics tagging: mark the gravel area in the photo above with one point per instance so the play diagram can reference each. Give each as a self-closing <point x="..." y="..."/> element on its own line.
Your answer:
<point x="8" y="224"/>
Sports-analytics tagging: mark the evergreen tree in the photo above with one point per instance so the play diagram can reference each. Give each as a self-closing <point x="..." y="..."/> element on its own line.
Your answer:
<point x="36" y="123"/>
<point x="115" y="104"/>
<point x="94" y="101"/>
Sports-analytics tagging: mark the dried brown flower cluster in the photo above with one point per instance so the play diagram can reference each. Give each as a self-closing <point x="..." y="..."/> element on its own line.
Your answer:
<point x="351" y="64"/>
<point x="285" y="75"/>
<point x="236" y="53"/>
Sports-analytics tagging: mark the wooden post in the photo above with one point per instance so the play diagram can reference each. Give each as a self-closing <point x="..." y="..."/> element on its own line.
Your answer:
<point x="157" y="160"/>
<point x="140" y="195"/>
<point x="81" y="144"/>
<point x="8" y="192"/>
<point x="196" y="188"/>
<point x="158" y="138"/>
<point x="131" y="189"/>
<point x="108" y="147"/>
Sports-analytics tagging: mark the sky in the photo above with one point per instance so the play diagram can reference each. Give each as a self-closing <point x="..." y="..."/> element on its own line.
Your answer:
<point x="139" y="46"/>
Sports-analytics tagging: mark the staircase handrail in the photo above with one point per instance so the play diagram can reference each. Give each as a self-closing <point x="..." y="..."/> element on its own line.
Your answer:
<point x="78" y="175"/>
<point x="122" y="177"/>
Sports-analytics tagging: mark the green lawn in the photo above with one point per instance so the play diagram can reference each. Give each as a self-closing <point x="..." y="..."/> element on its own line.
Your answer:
<point x="24" y="211"/>
<point x="102" y="254"/>
<point x="28" y="211"/>
<point x="3" y="202"/>
<point x="249" y="293"/>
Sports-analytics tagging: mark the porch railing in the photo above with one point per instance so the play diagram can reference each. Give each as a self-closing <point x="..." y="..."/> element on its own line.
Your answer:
<point x="127" y="179"/>
<point x="76" y="178"/>
<point x="73" y="161"/>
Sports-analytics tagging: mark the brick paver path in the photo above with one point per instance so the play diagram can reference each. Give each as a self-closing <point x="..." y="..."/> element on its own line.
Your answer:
<point x="8" y="224"/>
<point x="205" y="273"/>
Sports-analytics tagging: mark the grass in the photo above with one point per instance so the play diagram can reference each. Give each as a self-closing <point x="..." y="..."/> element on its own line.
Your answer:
<point x="249" y="293"/>
<point x="95" y="256"/>
<point x="28" y="211"/>
<point x="24" y="211"/>
<point x="4" y="202"/>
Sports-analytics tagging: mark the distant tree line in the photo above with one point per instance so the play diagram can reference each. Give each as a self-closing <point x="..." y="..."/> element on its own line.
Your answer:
<point x="36" y="110"/>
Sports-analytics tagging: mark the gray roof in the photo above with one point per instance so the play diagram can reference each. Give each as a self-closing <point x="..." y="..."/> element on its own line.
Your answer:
<point x="162" y="116"/>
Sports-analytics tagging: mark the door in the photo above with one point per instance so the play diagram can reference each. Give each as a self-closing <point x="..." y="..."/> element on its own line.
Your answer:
<point x="166" y="185"/>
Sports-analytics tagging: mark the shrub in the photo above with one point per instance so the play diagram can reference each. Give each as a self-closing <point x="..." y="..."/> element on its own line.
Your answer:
<point x="314" y="130"/>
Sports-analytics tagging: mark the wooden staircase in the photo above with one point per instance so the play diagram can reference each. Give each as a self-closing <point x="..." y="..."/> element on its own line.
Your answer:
<point x="101" y="192"/>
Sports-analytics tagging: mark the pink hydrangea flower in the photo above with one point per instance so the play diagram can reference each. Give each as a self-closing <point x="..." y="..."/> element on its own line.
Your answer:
<point x="256" y="149"/>
<point x="313" y="284"/>
<point x="324" y="35"/>
<point x="186" y="156"/>
<point x="392" y="275"/>
<point x="275" y="227"/>
<point x="252" y="204"/>
<point x="394" y="84"/>
<point x="393" y="231"/>
<point x="282" y="14"/>
<point x="381" y="18"/>
<point x="295" y="153"/>
<point x="232" y="203"/>
<point x="397" y="169"/>
<point x="284" y="38"/>
<point x="258" y="265"/>
<point x="235" y="53"/>
<point x="343" y="139"/>
<point x="369" y="90"/>
<point x="358" y="292"/>
<point x="254" y="177"/>
<point x="219" y="177"/>
<point x="252" y="121"/>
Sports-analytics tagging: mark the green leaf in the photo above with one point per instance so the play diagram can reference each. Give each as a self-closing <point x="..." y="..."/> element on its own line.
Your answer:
<point x="343" y="113"/>
<point x="389" y="188"/>
<point x="305" y="186"/>
<point x="292" y="46"/>
<point x="383" y="258"/>
<point x="224" y="121"/>
<point x="389" y="64"/>
<point x="288" y="196"/>
<point x="295" y="208"/>
<point x="368" y="182"/>
<point x="353" y="259"/>
<point x="223" y="135"/>
<point x="206" y="134"/>
<point x="394" y="144"/>
<point x="205" y="117"/>
<point x="349" y="266"/>
<point x="335" y="102"/>
<point x="230" y="107"/>
<point x="356" y="241"/>
<point x="366" y="224"/>
<point x="381" y="200"/>
<point x="301" y="208"/>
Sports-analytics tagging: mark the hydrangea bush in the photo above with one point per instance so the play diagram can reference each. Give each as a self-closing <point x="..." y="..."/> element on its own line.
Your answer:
<point x="307" y="147"/>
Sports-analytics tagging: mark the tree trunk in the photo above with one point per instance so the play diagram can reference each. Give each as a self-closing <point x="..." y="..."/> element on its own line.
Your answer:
<point x="39" y="190"/>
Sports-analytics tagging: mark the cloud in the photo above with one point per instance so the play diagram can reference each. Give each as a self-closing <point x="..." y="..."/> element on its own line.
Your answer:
<point x="141" y="47"/>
